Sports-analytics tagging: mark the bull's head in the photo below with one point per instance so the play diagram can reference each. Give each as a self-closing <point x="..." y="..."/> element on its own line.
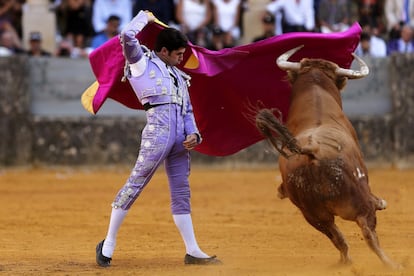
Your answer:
<point x="284" y="64"/>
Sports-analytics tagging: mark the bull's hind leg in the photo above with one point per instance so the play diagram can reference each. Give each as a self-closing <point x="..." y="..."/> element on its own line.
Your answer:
<point x="328" y="227"/>
<point x="281" y="192"/>
<point x="367" y="225"/>
<point x="380" y="204"/>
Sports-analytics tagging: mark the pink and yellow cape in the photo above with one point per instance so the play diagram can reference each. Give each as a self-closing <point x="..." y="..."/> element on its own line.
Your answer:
<point x="225" y="84"/>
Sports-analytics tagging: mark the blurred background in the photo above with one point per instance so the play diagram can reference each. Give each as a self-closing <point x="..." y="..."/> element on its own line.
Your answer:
<point x="44" y="69"/>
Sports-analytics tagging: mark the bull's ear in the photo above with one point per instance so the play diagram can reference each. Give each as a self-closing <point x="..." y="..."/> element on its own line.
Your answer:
<point x="341" y="82"/>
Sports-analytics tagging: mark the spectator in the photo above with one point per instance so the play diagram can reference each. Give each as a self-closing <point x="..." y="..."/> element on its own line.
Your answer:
<point x="163" y="10"/>
<point x="6" y="7"/>
<point x="102" y="9"/>
<point x="194" y="16"/>
<point x="8" y="45"/>
<point x="67" y="50"/>
<point x="370" y="12"/>
<point x="371" y="45"/>
<point x="333" y="15"/>
<point x="111" y="30"/>
<point x="244" y="7"/>
<point x="398" y="14"/>
<point x="268" y="27"/>
<point x="8" y="14"/>
<point x="226" y="32"/>
<point x="35" y="45"/>
<point x="404" y="44"/>
<point x="378" y="46"/>
<point x="74" y="22"/>
<point x="14" y="16"/>
<point x="316" y="11"/>
<point x="64" y="49"/>
<point x="364" y="47"/>
<point x="298" y="15"/>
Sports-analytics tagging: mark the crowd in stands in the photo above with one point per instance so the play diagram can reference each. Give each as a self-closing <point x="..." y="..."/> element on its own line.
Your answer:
<point x="84" y="25"/>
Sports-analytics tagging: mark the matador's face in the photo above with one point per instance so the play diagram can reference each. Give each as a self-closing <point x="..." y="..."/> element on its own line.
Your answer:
<point x="175" y="57"/>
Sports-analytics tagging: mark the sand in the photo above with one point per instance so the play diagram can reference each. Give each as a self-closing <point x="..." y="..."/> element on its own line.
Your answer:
<point x="52" y="219"/>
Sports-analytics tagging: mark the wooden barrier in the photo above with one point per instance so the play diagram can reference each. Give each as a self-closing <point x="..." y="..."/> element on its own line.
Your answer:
<point x="43" y="122"/>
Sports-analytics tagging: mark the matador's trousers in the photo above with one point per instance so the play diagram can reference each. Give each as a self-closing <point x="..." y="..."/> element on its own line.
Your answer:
<point x="162" y="140"/>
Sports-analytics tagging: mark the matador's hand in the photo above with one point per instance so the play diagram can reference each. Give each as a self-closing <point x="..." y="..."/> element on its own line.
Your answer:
<point x="191" y="141"/>
<point x="150" y="16"/>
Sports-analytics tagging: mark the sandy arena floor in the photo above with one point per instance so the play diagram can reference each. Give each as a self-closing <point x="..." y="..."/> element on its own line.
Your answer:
<point x="52" y="220"/>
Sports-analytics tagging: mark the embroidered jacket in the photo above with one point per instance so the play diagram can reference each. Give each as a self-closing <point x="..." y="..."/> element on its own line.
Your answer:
<point x="151" y="79"/>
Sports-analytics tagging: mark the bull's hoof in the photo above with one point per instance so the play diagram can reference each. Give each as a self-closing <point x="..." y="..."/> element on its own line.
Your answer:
<point x="345" y="260"/>
<point x="381" y="204"/>
<point x="281" y="192"/>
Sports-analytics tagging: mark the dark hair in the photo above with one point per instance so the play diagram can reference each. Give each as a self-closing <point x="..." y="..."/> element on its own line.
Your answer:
<point x="170" y="38"/>
<point x="365" y="36"/>
<point x="217" y="30"/>
<point x="113" y="17"/>
<point x="268" y="18"/>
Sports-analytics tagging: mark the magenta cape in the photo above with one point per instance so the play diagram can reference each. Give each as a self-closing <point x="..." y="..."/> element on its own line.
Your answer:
<point x="226" y="85"/>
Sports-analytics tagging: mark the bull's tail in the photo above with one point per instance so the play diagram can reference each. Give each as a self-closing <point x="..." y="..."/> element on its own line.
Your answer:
<point x="277" y="134"/>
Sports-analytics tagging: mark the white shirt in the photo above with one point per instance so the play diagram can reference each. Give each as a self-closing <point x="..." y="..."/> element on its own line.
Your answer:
<point x="404" y="47"/>
<point x="194" y="13"/>
<point x="227" y="13"/>
<point x="296" y="12"/>
<point x="394" y="12"/>
<point x="377" y="49"/>
<point x="102" y="9"/>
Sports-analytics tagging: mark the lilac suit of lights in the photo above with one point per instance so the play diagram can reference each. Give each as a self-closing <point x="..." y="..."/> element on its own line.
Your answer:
<point x="169" y="121"/>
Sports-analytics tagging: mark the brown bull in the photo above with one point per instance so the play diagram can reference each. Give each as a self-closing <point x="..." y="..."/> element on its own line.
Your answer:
<point x="320" y="161"/>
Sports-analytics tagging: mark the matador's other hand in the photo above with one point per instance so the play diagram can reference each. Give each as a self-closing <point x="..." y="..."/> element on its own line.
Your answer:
<point x="191" y="141"/>
<point x="150" y="16"/>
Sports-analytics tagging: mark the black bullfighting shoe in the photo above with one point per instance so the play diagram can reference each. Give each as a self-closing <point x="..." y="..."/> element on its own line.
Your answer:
<point x="100" y="258"/>
<point x="188" y="259"/>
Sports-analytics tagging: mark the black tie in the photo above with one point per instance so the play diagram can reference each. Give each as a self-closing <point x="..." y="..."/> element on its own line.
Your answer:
<point x="173" y="76"/>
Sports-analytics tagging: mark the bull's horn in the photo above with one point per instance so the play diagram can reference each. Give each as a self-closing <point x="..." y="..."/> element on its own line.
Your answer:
<point x="284" y="64"/>
<point x="354" y="74"/>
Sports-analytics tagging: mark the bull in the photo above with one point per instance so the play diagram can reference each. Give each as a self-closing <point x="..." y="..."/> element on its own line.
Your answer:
<point x="320" y="161"/>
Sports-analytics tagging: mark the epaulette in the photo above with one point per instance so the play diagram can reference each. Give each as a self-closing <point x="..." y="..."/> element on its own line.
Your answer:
<point x="127" y="70"/>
